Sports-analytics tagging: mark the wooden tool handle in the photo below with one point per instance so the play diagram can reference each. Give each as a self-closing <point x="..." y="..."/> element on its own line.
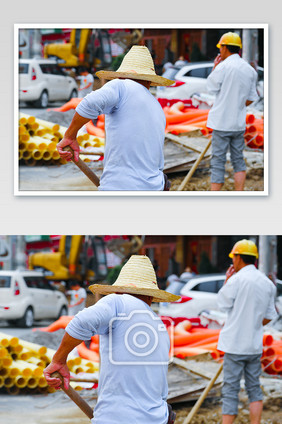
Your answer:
<point x="203" y="396"/>
<point x="194" y="167"/>
<point x="74" y="396"/>
<point x="84" y="168"/>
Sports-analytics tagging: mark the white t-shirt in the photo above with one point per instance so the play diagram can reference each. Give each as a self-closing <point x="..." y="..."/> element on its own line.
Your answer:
<point x="134" y="349"/>
<point x="135" y="131"/>
<point x="233" y="82"/>
<point x="76" y="296"/>
<point x="84" y="81"/>
<point x="248" y="298"/>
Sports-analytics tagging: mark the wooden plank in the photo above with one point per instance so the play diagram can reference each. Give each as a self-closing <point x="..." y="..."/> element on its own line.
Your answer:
<point x="196" y="144"/>
<point x="205" y="369"/>
<point x="182" y="142"/>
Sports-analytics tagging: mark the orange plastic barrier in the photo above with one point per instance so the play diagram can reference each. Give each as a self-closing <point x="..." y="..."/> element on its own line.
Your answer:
<point x="204" y="341"/>
<point x="209" y="331"/>
<point x="250" y="118"/>
<point x="257" y="126"/>
<point x="184" y="339"/>
<point x="62" y="322"/>
<point x="184" y="351"/>
<point x="267" y="340"/>
<point x="93" y="130"/>
<point x="182" y="327"/>
<point x="72" y="104"/>
<point x="86" y="353"/>
<point x="185" y="116"/>
<point x="178" y="129"/>
<point x="94" y="347"/>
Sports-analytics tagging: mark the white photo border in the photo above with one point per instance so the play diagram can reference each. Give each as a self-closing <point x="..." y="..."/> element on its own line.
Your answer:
<point x="87" y="193"/>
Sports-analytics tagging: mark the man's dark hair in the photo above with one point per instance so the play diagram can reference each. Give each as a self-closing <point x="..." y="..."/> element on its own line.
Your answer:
<point x="248" y="259"/>
<point x="233" y="49"/>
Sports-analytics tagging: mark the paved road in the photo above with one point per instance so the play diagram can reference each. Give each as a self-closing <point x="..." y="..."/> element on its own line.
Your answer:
<point x="35" y="111"/>
<point x="19" y="332"/>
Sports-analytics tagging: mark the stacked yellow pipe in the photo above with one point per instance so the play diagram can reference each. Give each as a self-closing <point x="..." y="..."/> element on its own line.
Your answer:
<point x="38" y="141"/>
<point x="22" y="364"/>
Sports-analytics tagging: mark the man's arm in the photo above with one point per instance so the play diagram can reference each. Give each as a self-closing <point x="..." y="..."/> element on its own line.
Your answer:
<point x="70" y="138"/>
<point x="59" y="362"/>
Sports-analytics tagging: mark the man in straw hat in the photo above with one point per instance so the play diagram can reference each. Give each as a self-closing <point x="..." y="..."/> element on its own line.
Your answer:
<point x="134" y="124"/>
<point x="134" y="348"/>
<point x="248" y="298"/>
<point x="233" y="81"/>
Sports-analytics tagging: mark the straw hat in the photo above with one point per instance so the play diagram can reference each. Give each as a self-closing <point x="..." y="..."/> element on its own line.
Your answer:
<point x="137" y="276"/>
<point x="136" y="64"/>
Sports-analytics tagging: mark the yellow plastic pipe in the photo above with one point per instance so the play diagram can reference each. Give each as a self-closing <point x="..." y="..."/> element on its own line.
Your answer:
<point x="34" y="347"/>
<point x="42" y="382"/>
<point x="37" y="154"/>
<point x="3" y="352"/>
<point x="7" y="340"/>
<point x="26" y="119"/>
<point x="25" y="354"/>
<point x="20" y="381"/>
<point x="7" y="362"/>
<point x="46" y="155"/>
<point x="32" y="382"/>
<point x="36" y="361"/>
<point x="27" y="154"/>
<point x="9" y="382"/>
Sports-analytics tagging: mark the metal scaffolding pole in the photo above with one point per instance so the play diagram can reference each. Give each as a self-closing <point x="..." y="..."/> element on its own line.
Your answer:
<point x="250" y="51"/>
<point x="268" y="256"/>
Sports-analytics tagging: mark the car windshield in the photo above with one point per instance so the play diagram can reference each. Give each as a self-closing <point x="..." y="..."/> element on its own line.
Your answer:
<point x="5" y="282"/>
<point x="23" y="68"/>
<point x="170" y="73"/>
<point x="212" y="286"/>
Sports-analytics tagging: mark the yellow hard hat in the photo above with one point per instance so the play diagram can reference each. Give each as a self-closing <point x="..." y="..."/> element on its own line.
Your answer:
<point x="230" y="39"/>
<point x="244" y="247"/>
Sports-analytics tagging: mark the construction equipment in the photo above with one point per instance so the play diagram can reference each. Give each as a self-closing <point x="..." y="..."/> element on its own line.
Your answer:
<point x="91" y="47"/>
<point x="86" y="47"/>
<point x="76" y="259"/>
<point x="83" y="258"/>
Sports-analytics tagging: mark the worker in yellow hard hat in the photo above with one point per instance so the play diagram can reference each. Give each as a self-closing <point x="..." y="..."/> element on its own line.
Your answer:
<point x="247" y="297"/>
<point x="233" y="82"/>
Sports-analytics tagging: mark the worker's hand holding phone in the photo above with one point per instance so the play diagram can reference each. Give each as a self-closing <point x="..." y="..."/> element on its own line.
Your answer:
<point x="217" y="60"/>
<point x="229" y="273"/>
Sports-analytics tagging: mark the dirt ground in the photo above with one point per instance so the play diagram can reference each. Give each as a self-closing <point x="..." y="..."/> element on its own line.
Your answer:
<point x="210" y="413"/>
<point x="57" y="408"/>
<point x="201" y="180"/>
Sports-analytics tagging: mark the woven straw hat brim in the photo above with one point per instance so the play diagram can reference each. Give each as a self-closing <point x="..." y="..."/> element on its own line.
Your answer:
<point x="156" y="80"/>
<point x="157" y="294"/>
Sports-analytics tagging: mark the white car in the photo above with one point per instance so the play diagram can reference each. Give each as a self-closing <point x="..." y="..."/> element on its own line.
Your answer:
<point x="192" y="79"/>
<point x="26" y="296"/>
<point x="42" y="81"/>
<point x="197" y="295"/>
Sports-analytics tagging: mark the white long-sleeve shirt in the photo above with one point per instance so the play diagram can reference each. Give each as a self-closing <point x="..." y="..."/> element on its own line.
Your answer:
<point x="134" y="351"/>
<point x="135" y="132"/>
<point x="247" y="297"/>
<point x="233" y="82"/>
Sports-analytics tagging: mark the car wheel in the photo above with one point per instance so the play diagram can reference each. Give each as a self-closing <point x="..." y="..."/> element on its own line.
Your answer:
<point x="27" y="320"/>
<point x="74" y="93"/>
<point x="43" y="100"/>
<point x="63" y="311"/>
